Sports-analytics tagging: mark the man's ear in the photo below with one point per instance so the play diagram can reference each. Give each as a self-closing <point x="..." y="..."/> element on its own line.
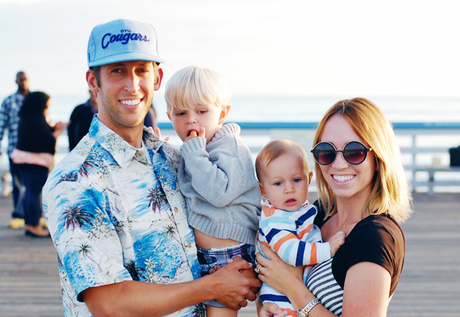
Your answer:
<point x="262" y="190"/>
<point x="223" y="114"/>
<point x="92" y="81"/>
<point x="158" y="79"/>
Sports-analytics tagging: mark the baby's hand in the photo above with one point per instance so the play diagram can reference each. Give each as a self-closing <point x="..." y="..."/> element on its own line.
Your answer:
<point x="336" y="241"/>
<point x="193" y="134"/>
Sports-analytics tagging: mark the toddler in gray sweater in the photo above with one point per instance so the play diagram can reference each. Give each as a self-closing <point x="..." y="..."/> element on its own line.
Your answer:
<point x="216" y="173"/>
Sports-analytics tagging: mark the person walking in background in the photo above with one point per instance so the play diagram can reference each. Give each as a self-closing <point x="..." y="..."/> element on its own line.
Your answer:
<point x="9" y="122"/>
<point x="33" y="156"/>
<point x="80" y="120"/>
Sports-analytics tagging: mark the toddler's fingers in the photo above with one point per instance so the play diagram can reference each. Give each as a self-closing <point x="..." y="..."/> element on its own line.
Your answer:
<point x="202" y="133"/>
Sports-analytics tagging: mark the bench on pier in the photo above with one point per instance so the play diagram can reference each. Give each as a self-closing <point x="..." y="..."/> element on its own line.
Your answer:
<point x="432" y="170"/>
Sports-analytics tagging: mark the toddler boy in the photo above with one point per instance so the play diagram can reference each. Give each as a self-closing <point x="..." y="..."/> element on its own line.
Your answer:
<point x="216" y="173"/>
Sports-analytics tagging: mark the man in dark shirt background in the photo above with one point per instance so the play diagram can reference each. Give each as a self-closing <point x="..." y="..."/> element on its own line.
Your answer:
<point x="80" y="120"/>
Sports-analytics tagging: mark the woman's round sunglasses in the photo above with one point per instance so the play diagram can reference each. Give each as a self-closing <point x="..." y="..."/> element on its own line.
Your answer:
<point x="354" y="152"/>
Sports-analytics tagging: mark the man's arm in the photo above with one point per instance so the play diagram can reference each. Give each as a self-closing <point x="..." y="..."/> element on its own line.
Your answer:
<point x="130" y="298"/>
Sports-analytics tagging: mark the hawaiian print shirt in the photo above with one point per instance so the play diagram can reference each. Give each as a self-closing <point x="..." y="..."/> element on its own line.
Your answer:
<point x="115" y="213"/>
<point x="9" y="119"/>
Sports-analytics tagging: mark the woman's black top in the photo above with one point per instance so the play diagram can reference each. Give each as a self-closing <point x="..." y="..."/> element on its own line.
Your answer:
<point x="35" y="135"/>
<point x="377" y="239"/>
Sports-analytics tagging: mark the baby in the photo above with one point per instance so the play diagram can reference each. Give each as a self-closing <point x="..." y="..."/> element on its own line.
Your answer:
<point x="216" y="173"/>
<point x="286" y="223"/>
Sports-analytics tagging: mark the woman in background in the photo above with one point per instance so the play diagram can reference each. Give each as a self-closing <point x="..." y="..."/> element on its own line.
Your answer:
<point x="34" y="155"/>
<point x="363" y="192"/>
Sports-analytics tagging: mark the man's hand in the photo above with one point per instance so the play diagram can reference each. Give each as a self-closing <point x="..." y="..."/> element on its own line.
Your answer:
<point x="250" y="273"/>
<point x="231" y="287"/>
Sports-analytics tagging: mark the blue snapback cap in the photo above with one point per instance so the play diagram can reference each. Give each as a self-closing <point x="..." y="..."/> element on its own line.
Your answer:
<point x="122" y="40"/>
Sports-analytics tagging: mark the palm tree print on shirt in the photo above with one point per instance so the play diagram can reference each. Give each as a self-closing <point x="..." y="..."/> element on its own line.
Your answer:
<point x="75" y="216"/>
<point x="157" y="198"/>
<point x="85" y="250"/>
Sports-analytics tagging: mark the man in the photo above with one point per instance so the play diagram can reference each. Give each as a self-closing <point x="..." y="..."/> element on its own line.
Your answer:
<point x="115" y="213"/>
<point x="9" y="120"/>
<point x="80" y="120"/>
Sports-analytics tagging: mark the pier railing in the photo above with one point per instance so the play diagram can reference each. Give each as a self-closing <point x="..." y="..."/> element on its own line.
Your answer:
<point x="424" y="147"/>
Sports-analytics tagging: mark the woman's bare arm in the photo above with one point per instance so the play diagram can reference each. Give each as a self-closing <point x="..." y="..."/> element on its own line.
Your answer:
<point x="366" y="290"/>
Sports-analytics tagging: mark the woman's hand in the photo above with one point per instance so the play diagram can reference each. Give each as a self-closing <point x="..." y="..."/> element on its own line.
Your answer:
<point x="281" y="276"/>
<point x="58" y="128"/>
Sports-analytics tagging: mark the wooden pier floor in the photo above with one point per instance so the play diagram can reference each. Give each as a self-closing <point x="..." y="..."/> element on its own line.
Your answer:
<point x="429" y="285"/>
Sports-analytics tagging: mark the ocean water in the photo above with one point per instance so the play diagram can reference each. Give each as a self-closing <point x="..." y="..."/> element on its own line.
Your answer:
<point x="300" y="109"/>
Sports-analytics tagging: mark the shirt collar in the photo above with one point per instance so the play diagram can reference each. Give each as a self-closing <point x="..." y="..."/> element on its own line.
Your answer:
<point x="121" y="151"/>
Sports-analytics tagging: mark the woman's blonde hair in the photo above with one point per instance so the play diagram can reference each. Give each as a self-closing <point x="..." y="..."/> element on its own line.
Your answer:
<point x="196" y="84"/>
<point x="390" y="188"/>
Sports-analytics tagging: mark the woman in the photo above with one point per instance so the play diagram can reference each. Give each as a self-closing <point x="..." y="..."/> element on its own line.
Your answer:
<point x="34" y="154"/>
<point x="363" y="192"/>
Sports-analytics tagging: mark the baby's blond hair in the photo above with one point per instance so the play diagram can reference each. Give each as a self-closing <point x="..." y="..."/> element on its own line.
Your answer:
<point x="275" y="149"/>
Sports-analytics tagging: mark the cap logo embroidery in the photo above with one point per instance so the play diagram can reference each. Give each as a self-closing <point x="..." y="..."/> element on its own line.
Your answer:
<point x="124" y="37"/>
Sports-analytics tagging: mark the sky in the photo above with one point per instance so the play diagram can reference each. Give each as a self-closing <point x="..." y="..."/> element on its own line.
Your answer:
<point x="262" y="47"/>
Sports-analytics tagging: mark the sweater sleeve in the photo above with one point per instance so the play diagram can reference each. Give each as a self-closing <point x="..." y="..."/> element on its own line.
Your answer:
<point x="218" y="176"/>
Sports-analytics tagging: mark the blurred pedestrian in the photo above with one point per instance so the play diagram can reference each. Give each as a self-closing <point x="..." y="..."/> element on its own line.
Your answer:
<point x="34" y="154"/>
<point x="9" y="122"/>
<point x="80" y="120"/>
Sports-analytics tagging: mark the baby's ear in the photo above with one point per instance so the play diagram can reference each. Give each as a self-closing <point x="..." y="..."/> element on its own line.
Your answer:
<point x="262" y="190"/>
<point x="169" y="116"/>
<point x="310" y="175"/>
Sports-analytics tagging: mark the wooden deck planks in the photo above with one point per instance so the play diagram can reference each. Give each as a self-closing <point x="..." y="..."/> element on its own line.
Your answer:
<point x="429" y="285"/>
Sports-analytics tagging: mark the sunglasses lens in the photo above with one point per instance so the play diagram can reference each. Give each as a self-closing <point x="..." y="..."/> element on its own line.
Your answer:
<point x="324" y="153"/>
<point x="355" y="152"/>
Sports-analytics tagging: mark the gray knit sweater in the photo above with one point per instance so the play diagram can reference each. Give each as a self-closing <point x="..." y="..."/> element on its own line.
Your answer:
<point x="219" y="184"/>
